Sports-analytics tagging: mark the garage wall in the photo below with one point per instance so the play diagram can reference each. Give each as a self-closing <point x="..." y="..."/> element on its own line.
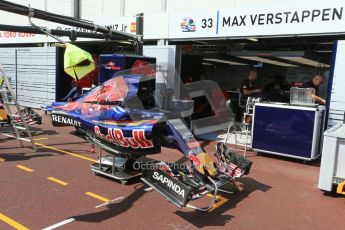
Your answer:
<point x="8" y="63"/>
<point x="39" y="4"/>
<point x="180" y="5"/>
<point x="133" y="7"/>
<point x="64" y="7"/>
<point x="100" y="8"/>
<point x="33" y="74"/>
<point x="36" y="76"/>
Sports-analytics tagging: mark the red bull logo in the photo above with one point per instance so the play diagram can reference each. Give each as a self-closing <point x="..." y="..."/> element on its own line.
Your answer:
<point x="115" y="136"/>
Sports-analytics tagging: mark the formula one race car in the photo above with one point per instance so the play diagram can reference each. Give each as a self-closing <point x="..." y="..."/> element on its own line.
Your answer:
<point x="120" y="116"/>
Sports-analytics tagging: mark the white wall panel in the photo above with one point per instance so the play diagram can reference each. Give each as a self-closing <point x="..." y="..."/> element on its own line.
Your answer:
<point x="64" y="7"/>
<point x="13" y="19"/>
<point x="181" y="5"/>
<point x="38" y="4"/>
<point x="8" y="61"/>
<point x="33" y="74"/>
<point x="133" y="7"/>
<point x="111" y="8"/>
<point x="36" y="76"/>
<point x="252" y="2"/>
<point x="155" y="26"/>
<point x="91" y="8"/>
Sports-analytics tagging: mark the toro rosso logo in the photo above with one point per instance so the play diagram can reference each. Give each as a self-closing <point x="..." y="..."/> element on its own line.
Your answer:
<point x="111" y="65"/>
<point x="116" y="137"/>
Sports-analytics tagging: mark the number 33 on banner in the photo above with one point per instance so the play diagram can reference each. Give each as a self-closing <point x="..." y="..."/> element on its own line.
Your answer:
<point x="207" y="23"/>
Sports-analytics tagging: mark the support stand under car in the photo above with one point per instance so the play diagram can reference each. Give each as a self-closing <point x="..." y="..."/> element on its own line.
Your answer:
<point x="116" y="166"/>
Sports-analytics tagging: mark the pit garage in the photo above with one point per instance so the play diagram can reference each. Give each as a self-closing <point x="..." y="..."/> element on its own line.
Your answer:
<point x="286" y="49"/>
<point x="54" y="187"/>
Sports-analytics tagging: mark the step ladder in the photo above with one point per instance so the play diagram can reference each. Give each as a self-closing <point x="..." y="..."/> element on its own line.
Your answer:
<point x="8" y="100"/>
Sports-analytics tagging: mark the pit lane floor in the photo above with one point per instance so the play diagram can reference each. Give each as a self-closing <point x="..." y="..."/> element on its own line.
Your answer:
<point x="55" y="188"/>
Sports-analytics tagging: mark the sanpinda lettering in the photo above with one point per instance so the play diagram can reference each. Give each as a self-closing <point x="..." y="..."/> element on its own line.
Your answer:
<point x="169" y="183"/>
<point x="65" y="120"/>
<point x="115" y="136"/>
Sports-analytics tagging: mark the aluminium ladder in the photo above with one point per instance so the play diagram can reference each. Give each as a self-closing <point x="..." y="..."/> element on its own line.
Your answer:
<point x="8" y="99"/>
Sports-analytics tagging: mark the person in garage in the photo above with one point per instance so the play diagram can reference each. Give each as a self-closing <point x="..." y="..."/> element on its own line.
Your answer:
<point x="249" y="89"/>
<point x="315" y="83"/>
<point x="248" y="86"/>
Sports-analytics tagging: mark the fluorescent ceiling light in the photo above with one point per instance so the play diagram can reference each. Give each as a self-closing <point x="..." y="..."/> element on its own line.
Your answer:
<point x="326" y="43"/>
<point x="305" y="61"/>
<point x="224" y="61"/>
<point x="253" y="39"/>
<point x="205" y="63"/>
<point x="269" y="61"/>
<point x="324" y="51"/>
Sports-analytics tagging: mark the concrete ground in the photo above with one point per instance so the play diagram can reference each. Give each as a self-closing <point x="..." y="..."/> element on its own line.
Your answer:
<point x="56" y="186"/>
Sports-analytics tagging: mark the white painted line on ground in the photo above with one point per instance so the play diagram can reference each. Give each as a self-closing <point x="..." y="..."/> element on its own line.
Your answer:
<point x="59" y="224"/>
<point x="109" y="202"/>
<point x="148" y="189"/>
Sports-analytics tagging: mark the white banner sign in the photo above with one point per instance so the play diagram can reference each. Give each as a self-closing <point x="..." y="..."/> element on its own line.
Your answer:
<point x="124" y="24"/>
<point x="289" y="18"/>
